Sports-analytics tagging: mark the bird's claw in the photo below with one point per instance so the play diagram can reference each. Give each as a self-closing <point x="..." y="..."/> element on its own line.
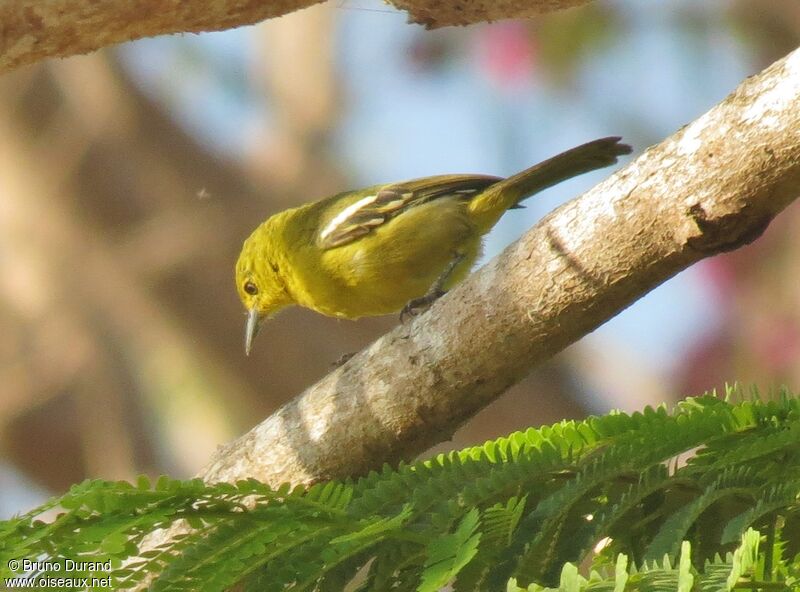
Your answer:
<point x="419" y="305"/>
<point x="343" y="359"/>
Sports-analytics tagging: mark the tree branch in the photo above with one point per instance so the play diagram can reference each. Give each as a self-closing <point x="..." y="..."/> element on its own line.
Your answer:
<point x="711" y="187"/>
<point x="31" y="30"/>
<point x="434" y="15"/>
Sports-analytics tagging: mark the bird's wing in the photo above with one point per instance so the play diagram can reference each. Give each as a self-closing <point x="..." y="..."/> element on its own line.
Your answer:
<point x="371" y="211"/>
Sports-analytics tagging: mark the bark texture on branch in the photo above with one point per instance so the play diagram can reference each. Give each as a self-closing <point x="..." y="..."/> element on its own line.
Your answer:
<point x="711" y="187"/>
<point x="32" y="30"/>
<point x="466" y="12"/>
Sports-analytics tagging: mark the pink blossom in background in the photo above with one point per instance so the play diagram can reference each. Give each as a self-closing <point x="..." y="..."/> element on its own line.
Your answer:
<point x="507" y="55"/>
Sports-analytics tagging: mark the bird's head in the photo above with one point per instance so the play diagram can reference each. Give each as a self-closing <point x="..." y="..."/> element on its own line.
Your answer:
<point x="261" y="287"/>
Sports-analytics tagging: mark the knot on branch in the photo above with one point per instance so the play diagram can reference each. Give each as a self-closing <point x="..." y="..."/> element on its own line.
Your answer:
<point x="726" y="232"/>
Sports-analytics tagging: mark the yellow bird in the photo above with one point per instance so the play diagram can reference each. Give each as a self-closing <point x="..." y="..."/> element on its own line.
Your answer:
<point x="388" y="248"/>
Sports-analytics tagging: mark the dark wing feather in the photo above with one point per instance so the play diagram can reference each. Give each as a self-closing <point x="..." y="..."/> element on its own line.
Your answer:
<point x="392" y="200"/>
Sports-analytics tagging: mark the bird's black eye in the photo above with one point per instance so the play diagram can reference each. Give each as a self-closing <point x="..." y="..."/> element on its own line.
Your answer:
<point x="250" y="288"/>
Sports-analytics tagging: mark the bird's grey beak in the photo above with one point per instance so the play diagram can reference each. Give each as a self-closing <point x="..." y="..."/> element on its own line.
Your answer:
<point x="251" y="329"/>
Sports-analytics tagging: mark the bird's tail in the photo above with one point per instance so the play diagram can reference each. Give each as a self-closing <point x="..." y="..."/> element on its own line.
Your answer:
<point x="492" y="203"/>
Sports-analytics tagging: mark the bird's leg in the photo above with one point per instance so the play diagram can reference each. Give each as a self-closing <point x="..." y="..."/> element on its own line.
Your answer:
<point x="343" y="359"/>
<point x="436" y="291"/>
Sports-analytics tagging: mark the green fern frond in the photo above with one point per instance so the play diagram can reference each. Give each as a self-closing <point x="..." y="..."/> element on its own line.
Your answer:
<point x="731" y="482"/>
<point x="783" y="497"/>
<point x="447" y="555"/>
<point x="524" y="506"/>
<point x="718" y="575"/>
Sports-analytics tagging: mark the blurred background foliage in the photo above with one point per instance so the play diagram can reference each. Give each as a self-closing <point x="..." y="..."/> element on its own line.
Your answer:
<point x="130" y="177"/>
